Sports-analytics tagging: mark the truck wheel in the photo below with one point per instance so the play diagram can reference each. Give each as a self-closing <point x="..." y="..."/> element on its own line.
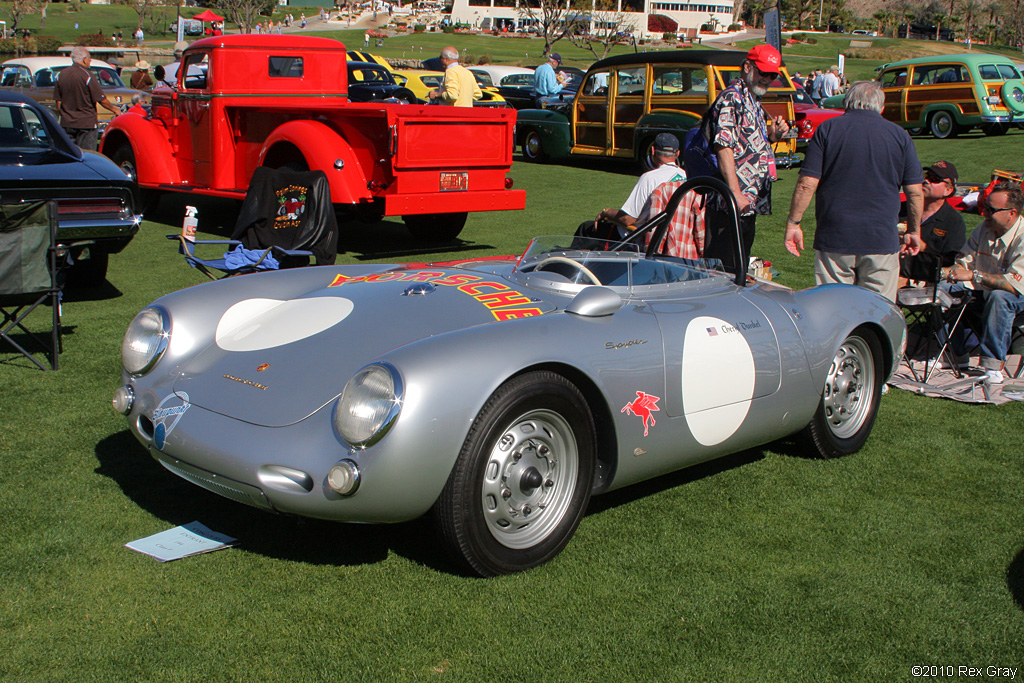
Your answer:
<point x="521" y="483"/>
<point x="532" y="148"/>
<point x="644" y="163"/>
<point x="943" y="125"/>
<point x="89" y="272"/>
<point x="435" y="227"/>
<point x="124" y="157"/>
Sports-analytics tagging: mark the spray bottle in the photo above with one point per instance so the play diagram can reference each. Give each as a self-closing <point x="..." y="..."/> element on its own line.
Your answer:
<point x="188" y="227"/>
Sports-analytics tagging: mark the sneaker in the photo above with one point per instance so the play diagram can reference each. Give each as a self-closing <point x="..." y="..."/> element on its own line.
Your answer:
<point x="994" y="376"/>
<point x="962" y="362"/>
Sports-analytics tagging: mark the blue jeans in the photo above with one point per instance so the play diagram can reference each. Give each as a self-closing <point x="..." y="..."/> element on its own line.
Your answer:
<point x="995" y="309"/>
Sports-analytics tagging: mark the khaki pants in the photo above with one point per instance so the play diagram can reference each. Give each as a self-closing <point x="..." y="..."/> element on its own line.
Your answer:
<point x="877" y="272"/>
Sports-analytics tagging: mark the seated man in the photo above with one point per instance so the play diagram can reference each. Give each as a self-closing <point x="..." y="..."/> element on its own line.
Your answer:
<point x="685" y="236"/>
<point x="942" y="227"/>
<point x="992" y="264"/>
<point x="615" y="224"/>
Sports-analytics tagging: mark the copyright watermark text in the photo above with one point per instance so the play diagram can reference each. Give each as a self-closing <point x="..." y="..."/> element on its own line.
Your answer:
<point x="936" y="671"/>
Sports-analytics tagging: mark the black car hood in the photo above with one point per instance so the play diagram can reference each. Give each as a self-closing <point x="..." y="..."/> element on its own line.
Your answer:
<point x="51" y="167"/>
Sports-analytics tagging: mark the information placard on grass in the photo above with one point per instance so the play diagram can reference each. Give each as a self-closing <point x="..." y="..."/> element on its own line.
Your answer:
<point x="181" y="541"/>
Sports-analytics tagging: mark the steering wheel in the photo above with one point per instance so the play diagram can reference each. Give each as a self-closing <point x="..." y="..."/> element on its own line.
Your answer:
<point x="568" y="261"/>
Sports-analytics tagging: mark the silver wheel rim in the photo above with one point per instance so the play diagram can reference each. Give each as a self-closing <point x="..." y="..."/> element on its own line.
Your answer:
<point x="129" y="170"/>
<point x="942" y="124"/>
<point x="532" y="145"/>
<point x="529" y="479"/>
<point x="849" y="388"/>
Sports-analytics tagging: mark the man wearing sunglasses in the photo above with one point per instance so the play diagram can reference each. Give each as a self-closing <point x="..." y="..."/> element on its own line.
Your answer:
<point x="992" y="264"/>
<point x="942" y="227"/>
<point x="742" y="141"/>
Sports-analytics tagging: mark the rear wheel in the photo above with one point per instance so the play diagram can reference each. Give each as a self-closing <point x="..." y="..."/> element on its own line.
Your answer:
<point x="532" y="148"/>
<point x="522" y="480"/>
<point x="90" y="267"/>
<point x="993" y="129"/>
<point x="435" y="227"/>
<point x="849" y="400"/>
<point x="943" y="125"/>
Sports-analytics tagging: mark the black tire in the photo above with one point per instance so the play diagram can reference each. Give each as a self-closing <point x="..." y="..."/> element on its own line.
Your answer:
<point x="521" y="483"/>
<point x="916" y="131"/>
<point x="90" y="268"/>
<point x="943" y="125"/>
<point x="645" y="162"/>
<point x="439" y="228"/>
<point x="849" y="400"/>
<point x="532" y="148"/>
<point x="124" y="157"/>
<point x="995" y="129"/>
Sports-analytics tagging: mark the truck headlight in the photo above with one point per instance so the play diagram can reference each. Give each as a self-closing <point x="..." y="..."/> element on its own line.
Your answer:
<point x="369" y="405"/>
<point x="145" y="340"/>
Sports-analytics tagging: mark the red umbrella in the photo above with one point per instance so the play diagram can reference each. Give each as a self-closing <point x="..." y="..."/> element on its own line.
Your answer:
<point x="208" y="16"/>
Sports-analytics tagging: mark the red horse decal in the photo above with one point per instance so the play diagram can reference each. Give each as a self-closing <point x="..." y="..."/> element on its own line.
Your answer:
<point x="642" y="407"/>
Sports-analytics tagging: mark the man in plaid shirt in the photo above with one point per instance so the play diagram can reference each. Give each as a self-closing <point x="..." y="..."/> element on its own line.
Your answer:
<point x="685" y="236"/>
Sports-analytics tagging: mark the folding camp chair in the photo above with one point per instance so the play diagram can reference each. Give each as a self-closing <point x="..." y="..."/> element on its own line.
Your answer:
<point x="933" y="315"/>
<point x="29" y="263"/>
<point x="269" y="258"/>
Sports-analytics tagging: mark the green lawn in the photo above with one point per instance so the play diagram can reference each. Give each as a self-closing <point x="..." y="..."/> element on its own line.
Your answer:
<point x="766" y="565"/>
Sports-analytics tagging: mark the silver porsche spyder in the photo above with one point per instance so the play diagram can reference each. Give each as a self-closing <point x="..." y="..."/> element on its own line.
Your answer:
<point x="496" y="394"/>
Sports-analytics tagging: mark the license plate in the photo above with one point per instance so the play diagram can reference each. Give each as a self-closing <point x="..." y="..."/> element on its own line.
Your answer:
<point x="454" y="181"/>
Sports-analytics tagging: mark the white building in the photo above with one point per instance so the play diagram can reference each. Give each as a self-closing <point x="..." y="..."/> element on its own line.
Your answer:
<point x="489" y="14"/>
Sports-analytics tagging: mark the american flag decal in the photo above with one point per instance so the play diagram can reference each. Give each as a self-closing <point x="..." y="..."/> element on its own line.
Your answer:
<point x="712" y="332"/>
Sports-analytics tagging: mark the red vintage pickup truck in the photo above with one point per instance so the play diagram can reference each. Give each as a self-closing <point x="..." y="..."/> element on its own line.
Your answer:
<point x="243" y="101"/>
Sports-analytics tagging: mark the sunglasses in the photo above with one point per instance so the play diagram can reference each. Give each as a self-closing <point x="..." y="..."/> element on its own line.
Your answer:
<point x="767" y="74"/>
<point x="991" y="210"/>
<point x="935" y="180"/>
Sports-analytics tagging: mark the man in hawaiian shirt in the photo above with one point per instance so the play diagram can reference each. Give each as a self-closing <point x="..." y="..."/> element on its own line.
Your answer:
<point x="742" y="141"/>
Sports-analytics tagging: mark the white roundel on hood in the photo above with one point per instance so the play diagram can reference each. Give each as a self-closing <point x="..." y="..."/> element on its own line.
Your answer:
<point x="258" y="324"/>
<point x="718" y="379"/>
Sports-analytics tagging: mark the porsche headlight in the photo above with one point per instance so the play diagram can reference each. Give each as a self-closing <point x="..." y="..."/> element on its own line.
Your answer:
<point x="369" y="405"/>
<point x="146" y="340"/>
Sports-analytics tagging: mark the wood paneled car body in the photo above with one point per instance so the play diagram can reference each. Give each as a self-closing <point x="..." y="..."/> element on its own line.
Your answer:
<point x="626" y="100"/>
<point x="953" y="93"/>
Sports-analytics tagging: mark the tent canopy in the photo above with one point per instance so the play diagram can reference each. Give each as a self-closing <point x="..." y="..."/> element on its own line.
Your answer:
<point x="207" y="15"/>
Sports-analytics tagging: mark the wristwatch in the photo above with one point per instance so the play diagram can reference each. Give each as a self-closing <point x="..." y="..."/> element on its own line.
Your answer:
<point x="976" y="277"/>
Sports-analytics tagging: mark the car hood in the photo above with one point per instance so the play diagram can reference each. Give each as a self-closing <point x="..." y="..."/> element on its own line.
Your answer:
<point x="276" y="353"/>
<point x="54" y="168"/>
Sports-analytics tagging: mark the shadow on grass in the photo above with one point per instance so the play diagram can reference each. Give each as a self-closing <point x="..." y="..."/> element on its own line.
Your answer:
<point x="628" y="167"/>
<point x="74" y="293"/>
<point x="1015" y="579"/>
<point x="671" y="480"/>
<point x="295" y="539"/>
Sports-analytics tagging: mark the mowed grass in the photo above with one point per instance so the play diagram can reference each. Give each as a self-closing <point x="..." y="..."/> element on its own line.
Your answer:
<point x="767" y="564"/>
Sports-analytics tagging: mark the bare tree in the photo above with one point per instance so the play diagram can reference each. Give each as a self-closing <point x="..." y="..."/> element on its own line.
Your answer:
<point x="554" y="19"/>
<point x="246" y="13"/>
<point x="604" y="29"/>
<point x="142" y="7"/>
<point x="18" y="9"/>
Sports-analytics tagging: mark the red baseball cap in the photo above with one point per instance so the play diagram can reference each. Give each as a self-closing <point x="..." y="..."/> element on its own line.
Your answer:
<point x="766" y="58"/>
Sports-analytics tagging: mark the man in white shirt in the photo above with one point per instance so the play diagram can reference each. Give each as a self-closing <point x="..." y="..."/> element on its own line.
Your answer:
<point x="665" y="158"/>
<point x="830" y="82"/>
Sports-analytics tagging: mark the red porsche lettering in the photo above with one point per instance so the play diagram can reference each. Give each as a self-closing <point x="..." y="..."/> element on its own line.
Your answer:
<point x="501" y="299"/>
<point x="474" y="289"/>
<point x="421" y="276"/>
<point x="457" y="279"/>
<point x="513" y="313"/>
<point x="339" y="280"/>
<point x="383" y="277"/>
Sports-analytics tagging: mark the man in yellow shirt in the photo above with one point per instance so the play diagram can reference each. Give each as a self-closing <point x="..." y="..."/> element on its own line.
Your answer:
<point x="460" y="88"/>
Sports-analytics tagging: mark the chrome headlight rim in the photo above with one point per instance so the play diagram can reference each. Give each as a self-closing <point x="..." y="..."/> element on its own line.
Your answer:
<point x="163" y="339"/>
<point x="388" y="421"/>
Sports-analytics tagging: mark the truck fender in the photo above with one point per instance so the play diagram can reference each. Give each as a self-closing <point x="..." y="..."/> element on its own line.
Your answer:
<point x="552" y="127"/>
<point x="323" y="150"/>
<point x="657" y="121"/>
<point x="154" y="157"/>
<point x="955" y="110"/>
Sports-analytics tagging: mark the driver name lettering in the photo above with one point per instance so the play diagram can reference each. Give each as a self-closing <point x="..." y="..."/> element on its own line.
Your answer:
<point x="503" y="302"/>
<point x="612" y="346"/>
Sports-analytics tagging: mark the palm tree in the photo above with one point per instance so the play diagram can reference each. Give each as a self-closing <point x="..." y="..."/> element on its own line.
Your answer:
<point x="971" y="9"/>
<point x="883" y="17"/>
<point x="938" y="18"/>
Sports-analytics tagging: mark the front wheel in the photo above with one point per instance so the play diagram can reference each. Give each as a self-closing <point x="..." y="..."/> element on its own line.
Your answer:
<point x="943" y="125"/>
<point x="849" y="400"/>
<point x="124" y="158"/>
<point x="522" y="480"/>
<point x="533" y="150"/>
<point x="435" y="227"/>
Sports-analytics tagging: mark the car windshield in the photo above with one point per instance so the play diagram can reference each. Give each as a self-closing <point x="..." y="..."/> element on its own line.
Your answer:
<point x="21" y="129"/>
<point x="369" y="74"/>
<point x="561" y="260"/>
<point x="107" y="77"/>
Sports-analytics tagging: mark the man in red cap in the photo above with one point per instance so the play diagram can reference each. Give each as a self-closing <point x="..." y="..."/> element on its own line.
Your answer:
<point x="742" y="140"/>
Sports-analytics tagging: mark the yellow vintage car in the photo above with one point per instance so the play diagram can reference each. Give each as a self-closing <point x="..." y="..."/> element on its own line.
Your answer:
<point x="422" y="82"/>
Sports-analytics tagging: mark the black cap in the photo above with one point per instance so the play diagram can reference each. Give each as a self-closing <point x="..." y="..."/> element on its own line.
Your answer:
<point x="666" y="142"/>
<point x="555" y="56"/>
<point x="945" y="170"/>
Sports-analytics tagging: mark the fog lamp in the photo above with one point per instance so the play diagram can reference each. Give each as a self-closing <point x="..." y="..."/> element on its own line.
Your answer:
<point x="123" y="400"/>
<point x="343" y="478"/>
